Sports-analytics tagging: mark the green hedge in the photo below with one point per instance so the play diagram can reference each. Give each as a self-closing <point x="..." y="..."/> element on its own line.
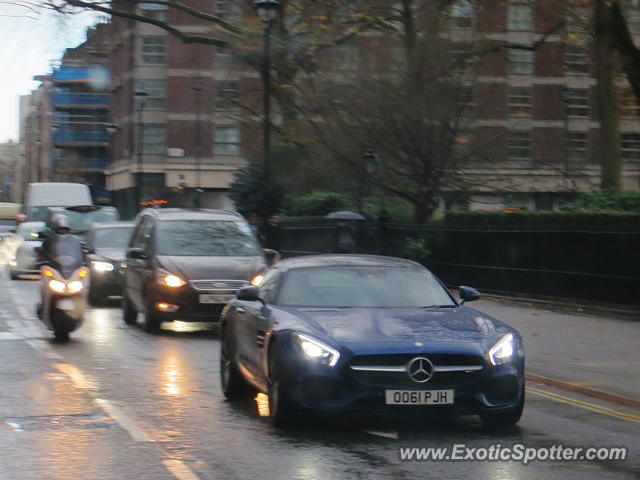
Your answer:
<point x="605" y="201"/>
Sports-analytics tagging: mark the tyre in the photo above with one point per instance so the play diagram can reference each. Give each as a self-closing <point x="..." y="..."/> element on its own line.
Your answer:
<point x="233" y="384"/>
<point x="280" y="408"/>
<point x="94" y="298"/>
<point x="129" y="314"/>
<point x="151" y="322"/>
<point x="504" y="418"/>
<point x="13" y="275"/>
<point x="61" y="335"/>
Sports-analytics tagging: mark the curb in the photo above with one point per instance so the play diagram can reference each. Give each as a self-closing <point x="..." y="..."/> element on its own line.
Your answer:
<point x="610" y="397"/>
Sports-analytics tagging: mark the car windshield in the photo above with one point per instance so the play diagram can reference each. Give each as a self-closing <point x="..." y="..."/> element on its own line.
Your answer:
<point x="363" y="287"/>
<point x="81" y="221"/>
<point x="115" y="237"/>
<point x="224" y="238"/>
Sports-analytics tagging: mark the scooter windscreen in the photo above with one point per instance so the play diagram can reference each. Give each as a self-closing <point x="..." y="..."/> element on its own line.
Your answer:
<point x="67" y="255"/>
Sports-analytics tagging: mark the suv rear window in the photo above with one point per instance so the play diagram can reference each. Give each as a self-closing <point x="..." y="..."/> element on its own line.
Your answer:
<point x="205" y="238"/>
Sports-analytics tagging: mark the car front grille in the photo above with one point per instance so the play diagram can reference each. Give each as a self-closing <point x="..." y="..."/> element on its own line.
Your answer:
<point x="391" y="371"/>
<point x="218" y="286"/>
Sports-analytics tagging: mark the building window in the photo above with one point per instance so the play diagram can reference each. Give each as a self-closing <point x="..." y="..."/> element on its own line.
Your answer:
<point x="228" y="95"/>
<point x="628" y="103"/>
<point x="576" y="60"/>
<point x="464" y="100"/>
<point x="576" y="102"/>
<point x="222" y="8"/>
<point x="461" y="55"/>
<point x="462" y="14"/>
<point x="226" y="140"/>
<point x="519" y="145"/>
<point x="154" y="10"/>
<point x="153" y="138"/>
<point x="631" y="146"/>
<point x="520" y="62"/>
<point x="520" y="15"/>
<point x="519" y="100"/>
<point x="156" y="91"/>
<point x="577" y="145"/>
<point x="154" y="49"/>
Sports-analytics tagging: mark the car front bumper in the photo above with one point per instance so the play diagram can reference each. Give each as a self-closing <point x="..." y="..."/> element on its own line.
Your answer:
<point x="340" y="389"/>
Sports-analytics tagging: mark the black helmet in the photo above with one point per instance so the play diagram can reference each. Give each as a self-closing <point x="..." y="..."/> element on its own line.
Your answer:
<point x="61" y="224"/>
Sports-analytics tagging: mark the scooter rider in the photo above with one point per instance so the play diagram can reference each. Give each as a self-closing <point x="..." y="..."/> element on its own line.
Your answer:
<point x="60" y="228"/>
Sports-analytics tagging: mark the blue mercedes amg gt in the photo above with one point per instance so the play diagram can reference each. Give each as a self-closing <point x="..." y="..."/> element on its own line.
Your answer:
<point x="368" y="334"/>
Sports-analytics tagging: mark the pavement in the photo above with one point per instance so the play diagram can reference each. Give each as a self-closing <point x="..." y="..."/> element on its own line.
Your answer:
<point x="595" y="351"/>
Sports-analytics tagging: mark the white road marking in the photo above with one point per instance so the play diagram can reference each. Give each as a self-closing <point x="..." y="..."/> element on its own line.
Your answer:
<point x="393" y="435"/>
<point x="123" y="420"/>
<point x="180" y="470"/>
<point x="10" y="336"/>
<point x="76" y="376"/>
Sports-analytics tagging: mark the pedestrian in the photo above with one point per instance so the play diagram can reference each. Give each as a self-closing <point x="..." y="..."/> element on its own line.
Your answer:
<point x="254" y="224"/>
<point x="271" y="235"/>
<point x="344" y="241"/>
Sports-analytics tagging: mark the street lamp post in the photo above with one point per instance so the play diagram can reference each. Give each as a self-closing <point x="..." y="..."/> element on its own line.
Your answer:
<point x="268" y="11"/>
<point x="139" y="94"/>
<point x="197" y="87"/>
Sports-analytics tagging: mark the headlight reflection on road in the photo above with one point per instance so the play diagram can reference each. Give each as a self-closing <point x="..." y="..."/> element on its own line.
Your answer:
<point x="173" y="374"/>
<point x="263" y="404"/>
<point x="101" y="323"/>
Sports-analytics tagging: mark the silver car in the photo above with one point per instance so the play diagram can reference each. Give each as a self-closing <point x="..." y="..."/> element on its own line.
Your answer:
<point x="20" y="249"/>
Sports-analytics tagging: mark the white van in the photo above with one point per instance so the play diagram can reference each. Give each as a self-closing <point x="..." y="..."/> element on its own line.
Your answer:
<point x="54" y="194"/>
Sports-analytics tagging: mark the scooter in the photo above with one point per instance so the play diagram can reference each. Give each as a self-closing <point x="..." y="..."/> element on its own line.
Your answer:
<point x="63" y="283"/>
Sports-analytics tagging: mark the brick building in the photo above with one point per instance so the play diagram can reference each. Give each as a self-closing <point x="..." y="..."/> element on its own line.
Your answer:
<point x="540" y="106"/>
<point x="185" y="132"/>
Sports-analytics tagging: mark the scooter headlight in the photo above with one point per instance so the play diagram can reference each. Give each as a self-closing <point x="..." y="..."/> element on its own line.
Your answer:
<point x="57" y="286"/>
<point x="75" y="286"/>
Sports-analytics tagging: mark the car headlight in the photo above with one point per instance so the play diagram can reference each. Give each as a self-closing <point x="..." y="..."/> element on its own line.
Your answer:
<point x="503" y="350"/>
<point x="167" y="279"/>
<point x="13" y="262"/>
<point x="102" y="266"/>
<point x="313" y="349"/>
<point x="75" y="286"/>
<point x="57" y="286"/>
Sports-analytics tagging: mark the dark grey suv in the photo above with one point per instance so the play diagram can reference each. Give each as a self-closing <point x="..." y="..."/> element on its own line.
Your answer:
<point x="187" y="264"/>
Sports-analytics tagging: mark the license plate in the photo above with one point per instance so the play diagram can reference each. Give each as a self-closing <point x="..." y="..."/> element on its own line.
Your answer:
<point x="419" y="397"/>
<point x="216" y="298"/>
<point x="65" y="304"/>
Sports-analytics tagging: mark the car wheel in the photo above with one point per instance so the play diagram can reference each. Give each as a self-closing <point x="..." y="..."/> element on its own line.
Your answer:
<point x="279" y="406"/>
<point x="233" y="384"/>
<point x="129" y="314"/>
<point x="13" y="275"/>
<point x="94" y="298"/>
<point x="151" y="321"/>
<point x="504" y="418"/>
<point x="61" y="335"/>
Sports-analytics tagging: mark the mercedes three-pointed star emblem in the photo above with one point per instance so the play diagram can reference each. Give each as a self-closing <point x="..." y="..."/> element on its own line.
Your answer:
<point x="420" y="369"/>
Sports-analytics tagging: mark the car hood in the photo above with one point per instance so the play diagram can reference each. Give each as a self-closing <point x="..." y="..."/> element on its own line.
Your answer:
<point x="363" y="328"/>
<point x="212" y="268"/>
<point x="113" y="254"/>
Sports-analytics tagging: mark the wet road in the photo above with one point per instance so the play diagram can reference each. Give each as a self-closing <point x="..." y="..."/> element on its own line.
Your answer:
<point x="118" y="403"/>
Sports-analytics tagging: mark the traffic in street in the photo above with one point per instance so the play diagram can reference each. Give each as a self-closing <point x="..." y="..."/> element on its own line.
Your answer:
<point x="118" y="402"/>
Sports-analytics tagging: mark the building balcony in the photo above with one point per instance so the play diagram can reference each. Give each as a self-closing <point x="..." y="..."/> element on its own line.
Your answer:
<point x="79" y="100"/>
<point x="80" y="138"/>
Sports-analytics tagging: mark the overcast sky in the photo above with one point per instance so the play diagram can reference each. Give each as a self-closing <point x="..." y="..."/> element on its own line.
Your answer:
<point x="29" y="42"/>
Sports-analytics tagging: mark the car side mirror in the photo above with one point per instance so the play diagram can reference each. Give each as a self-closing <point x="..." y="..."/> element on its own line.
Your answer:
<point x="468" y="294"/>
<point x="249" y="293"/>
<point x="137" y="253"/>
<point x="87" y="249"/>
<point x="271" y="256"/>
